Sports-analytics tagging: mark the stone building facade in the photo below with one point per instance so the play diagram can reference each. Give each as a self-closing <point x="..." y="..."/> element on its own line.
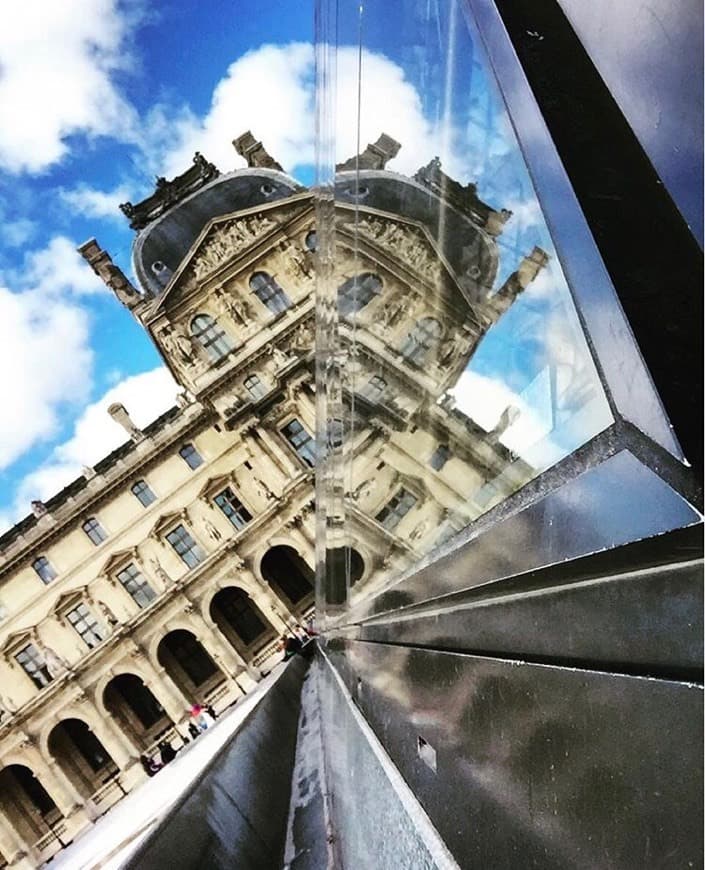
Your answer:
<point x="165" y="575"/>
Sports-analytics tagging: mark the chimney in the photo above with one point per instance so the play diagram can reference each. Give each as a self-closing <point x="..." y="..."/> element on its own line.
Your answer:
<point x="120" y="415"/>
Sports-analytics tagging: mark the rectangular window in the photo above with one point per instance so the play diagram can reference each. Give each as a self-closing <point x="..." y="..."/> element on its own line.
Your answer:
<point x="439" y="457"/>
<point x="135" y="584"/>
<point x="86" y="625"/>
<point x="301" y="441"/>
<point x="95" y="531"/>
<point x="33" y="664"/>
<point x="255" y="387"/>
<point x="233" y="508"/>
<point x="191" y="456"/>
<point x="185" y="546"/>
<point x="44" y="569"/>
<point x="374" y="388"/>
<point x="143" y="493"/>
<point x="396" y="509"/>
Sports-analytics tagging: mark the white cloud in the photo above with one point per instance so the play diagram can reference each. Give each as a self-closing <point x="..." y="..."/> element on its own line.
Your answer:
<point x="58" y="63"/>
<point x="270" y="91"/>
<point x="96" y="434"/>
<point x="59" y="268"/>
<point x="91" y="202"/>
<point x="47" y="363"/>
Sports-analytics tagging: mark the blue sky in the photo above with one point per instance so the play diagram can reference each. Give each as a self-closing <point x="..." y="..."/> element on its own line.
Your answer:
<point x="99" y="96"/>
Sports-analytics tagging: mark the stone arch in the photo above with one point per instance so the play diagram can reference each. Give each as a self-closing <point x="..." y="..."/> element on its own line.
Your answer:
<point x="27" y="804"/>
<point x="239" y="619"/>
<point x="289" y="575"/>
<point x="189" y="665"/>
<point x="136" y="709"/>
<point x="81" y="755"/>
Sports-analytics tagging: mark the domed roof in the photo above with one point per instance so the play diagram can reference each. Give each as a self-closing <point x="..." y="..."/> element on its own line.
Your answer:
<point x="167" y="239"/>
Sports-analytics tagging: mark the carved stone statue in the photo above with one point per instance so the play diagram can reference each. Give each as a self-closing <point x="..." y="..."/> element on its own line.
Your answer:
<point x="420" y="530"/>
<point x="212" y="531"/>
<point x="108" y="614"/>
<point x="364" y="489"/>
<point x="279" y="357"/>
<point x="451" y="350"/>
<point x="303" y="338"/>
<point x="159" y="571"/>
<point x="54" y="663"/>
<point x="263" y="490"/>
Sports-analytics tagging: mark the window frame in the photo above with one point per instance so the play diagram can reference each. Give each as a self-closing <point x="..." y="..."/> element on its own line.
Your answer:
<point x="255" y="378"/>
<point x="94" y="531"/>
<point x="194" y="548"/>
<point x="357" y="292"/>
<point x="300" y="449"/>
<point x="93" y="627"/>
<point x="126" y="581"/>
<point x="228" y="500"/>
<point x="211" y="336"/>
<point x="46" y="581"/>
<point x="145" y="488"/>
<point x="267" y="290"/>
<point x="401" y="496"/>
<point x="36" y="658"/>
<point x="189" y="450"/>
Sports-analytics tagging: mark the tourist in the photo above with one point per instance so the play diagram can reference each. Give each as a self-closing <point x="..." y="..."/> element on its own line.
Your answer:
<point x="167" y="751"/>
<point x="149" y="765"/>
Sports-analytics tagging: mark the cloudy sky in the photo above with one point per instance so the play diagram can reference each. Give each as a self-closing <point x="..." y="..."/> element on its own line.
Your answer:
<point x="99" y="96"/>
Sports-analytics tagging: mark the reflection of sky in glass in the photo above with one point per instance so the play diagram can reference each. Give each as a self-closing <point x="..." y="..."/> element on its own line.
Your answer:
<point x="535" y="358"/>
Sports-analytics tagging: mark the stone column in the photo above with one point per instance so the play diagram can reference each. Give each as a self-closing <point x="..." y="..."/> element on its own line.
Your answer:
<point x="276" y="453"/>
<point x="120" y="747"/>
<point x="272" y="608"/>
<point x="12" y="846"/>
<point x="166" y="692"/>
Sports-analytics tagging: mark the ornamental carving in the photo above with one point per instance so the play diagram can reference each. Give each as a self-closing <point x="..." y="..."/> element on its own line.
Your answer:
<point x="225" y="241"/>
<point x="406" y="243"/>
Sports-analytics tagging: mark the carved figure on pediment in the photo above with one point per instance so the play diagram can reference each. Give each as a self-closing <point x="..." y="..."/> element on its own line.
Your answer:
<point x="159" y="571"/>
<point x="183" y="345"/>
<point x="53" y="661"/>
<point x="392" y="313"/>
<point x="296" y="262"/>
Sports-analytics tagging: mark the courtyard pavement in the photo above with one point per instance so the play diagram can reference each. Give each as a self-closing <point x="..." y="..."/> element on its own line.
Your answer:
<point x="117" y="834"/>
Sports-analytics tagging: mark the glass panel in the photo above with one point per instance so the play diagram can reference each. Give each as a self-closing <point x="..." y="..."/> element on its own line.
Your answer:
<point x="142" y="491"/>
<point x="135" y="584"/>
<point x="460" y="372"/>
<point x="185" y="546"/>
<point x="87" y="626"/>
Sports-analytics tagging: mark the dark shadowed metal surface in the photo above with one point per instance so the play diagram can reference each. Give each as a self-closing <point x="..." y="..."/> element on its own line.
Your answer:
<point x="236" y="814"/>
<point x="535" y="765"/>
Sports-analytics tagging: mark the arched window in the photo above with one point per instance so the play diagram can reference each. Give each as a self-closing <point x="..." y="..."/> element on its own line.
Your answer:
<point x="269" y="292"/>
<point x="44" y="569"/>
<point x="255" y="387"/>
<point x="95" y="531"/>
<point x="357" y="292"/>
<point x="191" y="456"/>
<point x="423" y="338"/>
<point x="311" y="241"/>
<point x="210" y="336"/>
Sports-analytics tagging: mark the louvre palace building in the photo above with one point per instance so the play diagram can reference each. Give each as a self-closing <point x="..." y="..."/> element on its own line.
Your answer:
<point x="166" y="574"/>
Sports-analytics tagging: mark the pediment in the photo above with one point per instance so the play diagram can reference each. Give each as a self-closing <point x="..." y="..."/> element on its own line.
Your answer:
<point x="117" y="558"/>
<point x="164" y="521"/>
<point x="215" y="483"/>
<point x="222" y="239"/>
<point x="18" y="638"/>
<point x="72" y="596"/>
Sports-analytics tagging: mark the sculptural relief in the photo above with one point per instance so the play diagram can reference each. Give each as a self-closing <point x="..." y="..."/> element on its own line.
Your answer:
<point x="226" y="241"/>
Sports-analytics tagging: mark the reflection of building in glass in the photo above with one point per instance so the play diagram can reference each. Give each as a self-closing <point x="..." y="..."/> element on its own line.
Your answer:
<point x="415" y="298"/>
<point x="165" y="575"/>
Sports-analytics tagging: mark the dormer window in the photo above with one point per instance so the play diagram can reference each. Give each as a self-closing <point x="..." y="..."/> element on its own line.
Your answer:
<point x="211" y="337"/>
<point x="255" y="387"/>
<point x="143" y="493"/>
<point x="269" y="292"/>
<point x="44" y="569"/>
<point x="191" y="456"/>
<point x="355" y="293"/>
<point x="95" y="531"/>
<point x="32" y="663"/>
<point x="86" y="625"/>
